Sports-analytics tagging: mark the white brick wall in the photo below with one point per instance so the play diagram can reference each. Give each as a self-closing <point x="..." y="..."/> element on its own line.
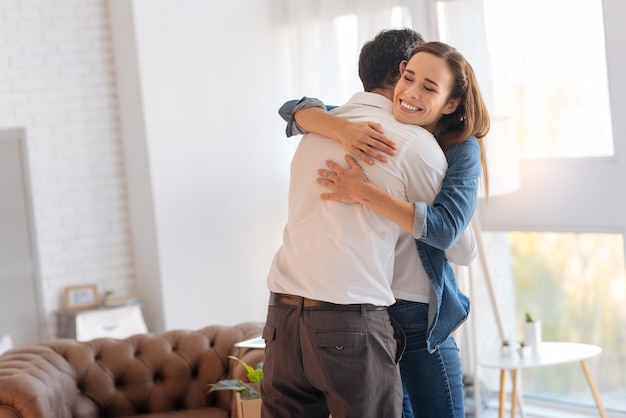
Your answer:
<point x="57" y="82"/>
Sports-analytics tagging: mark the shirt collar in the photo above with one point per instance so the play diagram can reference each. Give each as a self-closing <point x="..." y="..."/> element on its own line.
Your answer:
<point x="372" y="99"/>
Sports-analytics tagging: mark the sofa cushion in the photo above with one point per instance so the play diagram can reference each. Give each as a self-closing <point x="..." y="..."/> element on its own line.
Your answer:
<point x="165" y="374"/>
<point x="189" y="413"/>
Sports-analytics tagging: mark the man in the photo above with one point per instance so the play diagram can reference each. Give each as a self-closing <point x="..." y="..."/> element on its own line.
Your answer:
<point x="330" y="343"/>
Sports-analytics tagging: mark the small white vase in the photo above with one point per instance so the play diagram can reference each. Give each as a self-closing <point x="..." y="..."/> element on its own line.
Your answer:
<point x="525" y="352"/>
<point x="532" y="335"/>
<point x="507" y="351"/>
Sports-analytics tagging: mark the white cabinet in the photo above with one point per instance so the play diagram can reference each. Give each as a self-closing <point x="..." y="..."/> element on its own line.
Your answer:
<point x="118" y="322"/>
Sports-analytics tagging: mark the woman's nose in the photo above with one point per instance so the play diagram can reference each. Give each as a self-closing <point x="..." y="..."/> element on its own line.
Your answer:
<point x="412" y="92"/>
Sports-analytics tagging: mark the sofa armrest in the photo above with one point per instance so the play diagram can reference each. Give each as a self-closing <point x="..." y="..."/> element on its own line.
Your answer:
<point x="35" y="381"/>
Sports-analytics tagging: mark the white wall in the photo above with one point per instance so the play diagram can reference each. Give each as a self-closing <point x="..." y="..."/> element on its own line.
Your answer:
<point x="208" y="193"/>
<point x="208" y="161"/>
<point x="57" y="82"/>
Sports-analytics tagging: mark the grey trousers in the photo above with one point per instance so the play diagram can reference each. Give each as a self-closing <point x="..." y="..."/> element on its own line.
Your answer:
<point x="340" y="362"/>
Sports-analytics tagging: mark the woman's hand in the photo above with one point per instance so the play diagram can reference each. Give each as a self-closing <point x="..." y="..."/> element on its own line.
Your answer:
<point x="351" y="186"/>
<point x="347" y="185"/>
<point x="366" y="140"/>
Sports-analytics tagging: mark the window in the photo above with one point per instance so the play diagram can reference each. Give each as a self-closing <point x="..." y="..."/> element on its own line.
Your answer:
<point x="549" y="70"/>
<point x="576" y="285"/>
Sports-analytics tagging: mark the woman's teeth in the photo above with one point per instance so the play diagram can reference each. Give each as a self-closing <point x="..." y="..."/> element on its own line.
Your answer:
<point x="407" y="106"/>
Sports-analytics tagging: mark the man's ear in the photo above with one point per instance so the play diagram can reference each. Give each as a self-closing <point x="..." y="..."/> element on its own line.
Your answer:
<point x="403" y="66"/>
<point x="451" y="106"/>
<point x="398" y="76"/>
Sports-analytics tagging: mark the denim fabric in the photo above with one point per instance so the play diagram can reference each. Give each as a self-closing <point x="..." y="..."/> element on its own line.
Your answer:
<point x="407" y="410"/>
<point x="449" y="215"/>
<point x="454" y="205"/>
<point x="433" y="381"/>
<point x="289" y="108"/>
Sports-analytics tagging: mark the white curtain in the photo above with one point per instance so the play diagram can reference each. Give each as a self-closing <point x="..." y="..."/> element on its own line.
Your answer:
<point x="326" y="36"/>
<point x="462" y="25"/>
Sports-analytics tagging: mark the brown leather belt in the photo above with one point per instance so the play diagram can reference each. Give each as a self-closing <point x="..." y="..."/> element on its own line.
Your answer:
<point x="282" y="300"/>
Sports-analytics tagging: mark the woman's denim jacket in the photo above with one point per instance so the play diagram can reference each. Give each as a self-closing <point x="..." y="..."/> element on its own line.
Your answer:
<point x="444" y="222"/>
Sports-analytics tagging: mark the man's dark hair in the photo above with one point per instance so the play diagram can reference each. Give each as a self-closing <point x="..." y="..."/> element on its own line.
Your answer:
<point x="380" y="58"/>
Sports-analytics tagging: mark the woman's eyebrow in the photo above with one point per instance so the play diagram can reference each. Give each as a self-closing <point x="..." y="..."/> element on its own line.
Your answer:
<point x="428" y="80"/>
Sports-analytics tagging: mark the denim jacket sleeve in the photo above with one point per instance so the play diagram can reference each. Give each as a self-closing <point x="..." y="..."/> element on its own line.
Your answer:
<point x="289" y="109"/>
<point x="455" y="203"/>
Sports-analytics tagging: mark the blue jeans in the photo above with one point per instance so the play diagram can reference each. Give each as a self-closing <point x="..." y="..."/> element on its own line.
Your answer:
<point x="433" y="381"/>
<point x="407" y="410"/>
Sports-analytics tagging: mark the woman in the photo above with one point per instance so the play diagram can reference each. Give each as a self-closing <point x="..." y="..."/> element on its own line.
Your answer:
<point x="437" y="90"/>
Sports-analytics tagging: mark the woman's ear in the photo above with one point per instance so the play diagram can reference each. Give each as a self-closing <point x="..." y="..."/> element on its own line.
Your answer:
<point x="451" y="106"/>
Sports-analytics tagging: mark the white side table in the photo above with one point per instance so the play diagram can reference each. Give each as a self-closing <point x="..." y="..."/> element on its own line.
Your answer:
<point x="255" y="342"/>
<point x="549" y="353"/>
<point x="113" y="322"/>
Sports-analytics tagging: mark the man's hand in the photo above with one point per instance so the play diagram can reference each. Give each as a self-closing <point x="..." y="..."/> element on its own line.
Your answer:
<point x="346" y="184"/>
<point x="366" y="140"/>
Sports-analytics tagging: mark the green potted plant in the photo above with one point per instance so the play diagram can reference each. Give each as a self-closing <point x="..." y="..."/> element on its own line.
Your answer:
<point x="507" y="350"/>
<point x="247" y="394"/>
<point x="532" y="332"/>
<point x="524" y="350"/>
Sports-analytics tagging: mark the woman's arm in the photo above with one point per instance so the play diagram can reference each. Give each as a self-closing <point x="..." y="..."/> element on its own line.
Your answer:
<point x="439" y="225"/>
<point x="351" y="186"/>
<point x="464" y="251"/>
<point x="290" y="107"/>
<point x="363" y="139"/>
<point x="454" y="205"/>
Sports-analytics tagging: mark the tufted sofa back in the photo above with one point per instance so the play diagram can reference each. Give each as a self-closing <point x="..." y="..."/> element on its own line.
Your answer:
<point x="142" y="374"/>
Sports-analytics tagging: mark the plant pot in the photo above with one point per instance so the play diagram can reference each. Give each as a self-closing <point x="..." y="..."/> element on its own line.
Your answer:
<point x="246" y="408"/>
<point x="525" y="352"/>
<point x="507" y="351"/>
<point x="532" y="335"/>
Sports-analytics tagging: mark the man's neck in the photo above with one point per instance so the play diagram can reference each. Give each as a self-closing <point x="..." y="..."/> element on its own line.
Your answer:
<point x="386" y="92"/>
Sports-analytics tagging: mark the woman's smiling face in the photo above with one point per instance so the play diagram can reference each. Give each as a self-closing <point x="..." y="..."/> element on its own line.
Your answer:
<point x="421" y="94"/>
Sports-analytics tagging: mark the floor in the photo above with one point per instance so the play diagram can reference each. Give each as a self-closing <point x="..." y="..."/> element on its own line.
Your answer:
<point x="538" y="410"/>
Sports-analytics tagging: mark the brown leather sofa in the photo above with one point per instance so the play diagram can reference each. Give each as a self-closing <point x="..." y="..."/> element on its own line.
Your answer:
<point x="156" y="375"/>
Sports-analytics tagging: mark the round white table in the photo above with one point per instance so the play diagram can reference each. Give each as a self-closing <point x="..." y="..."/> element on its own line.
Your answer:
<point x="549" y="353"/>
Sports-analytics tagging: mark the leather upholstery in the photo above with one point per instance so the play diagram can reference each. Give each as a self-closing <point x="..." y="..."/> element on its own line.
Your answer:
<point x="153" y="374"/>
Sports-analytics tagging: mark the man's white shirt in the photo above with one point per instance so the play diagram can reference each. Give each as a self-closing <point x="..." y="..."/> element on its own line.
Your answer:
<point x="344" y="253"/>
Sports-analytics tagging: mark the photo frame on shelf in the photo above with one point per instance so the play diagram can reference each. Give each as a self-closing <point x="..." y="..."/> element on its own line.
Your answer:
<point x="81" y="297"/>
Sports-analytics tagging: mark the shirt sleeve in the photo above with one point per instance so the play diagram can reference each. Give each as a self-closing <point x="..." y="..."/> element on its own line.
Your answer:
<point x="289" y="109"/>
<point x="443" y="223"/>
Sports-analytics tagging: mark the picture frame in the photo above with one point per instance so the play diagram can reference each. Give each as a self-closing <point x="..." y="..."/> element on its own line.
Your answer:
<point x="81" y="297"/>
